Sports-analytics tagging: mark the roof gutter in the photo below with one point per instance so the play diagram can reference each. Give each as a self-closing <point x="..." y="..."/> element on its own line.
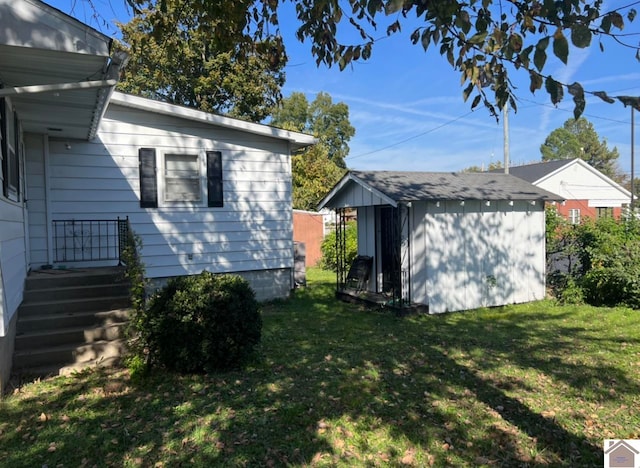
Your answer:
<point x="35" y="89"/>
<point x="117" y="62"/>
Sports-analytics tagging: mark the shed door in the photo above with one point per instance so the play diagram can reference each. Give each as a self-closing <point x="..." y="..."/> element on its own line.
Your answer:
<point x="389" y="249"/>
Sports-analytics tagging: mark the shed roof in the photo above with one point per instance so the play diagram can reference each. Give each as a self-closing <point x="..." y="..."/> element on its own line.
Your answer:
<point x="393" y="187"/>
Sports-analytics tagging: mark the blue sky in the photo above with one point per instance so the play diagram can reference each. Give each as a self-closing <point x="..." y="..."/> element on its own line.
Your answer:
<point x="407" y="106"/>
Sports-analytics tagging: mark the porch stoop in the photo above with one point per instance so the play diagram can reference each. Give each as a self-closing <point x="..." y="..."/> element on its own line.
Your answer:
<point x="70" y="320"/>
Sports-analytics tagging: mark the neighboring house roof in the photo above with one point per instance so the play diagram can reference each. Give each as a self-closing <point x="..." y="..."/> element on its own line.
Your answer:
<point x="394" y="187"/>
<point x="537" y="173"/>
<point x="534" y="172"/>
<point x="57" y="71"/>
<point x="296" y="139"/>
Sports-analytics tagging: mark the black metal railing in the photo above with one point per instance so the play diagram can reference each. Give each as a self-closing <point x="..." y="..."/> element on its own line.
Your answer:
<point x="89" y="239"/>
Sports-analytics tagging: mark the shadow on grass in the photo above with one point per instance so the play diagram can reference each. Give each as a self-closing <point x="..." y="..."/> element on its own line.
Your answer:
<point x="341" y="385"/>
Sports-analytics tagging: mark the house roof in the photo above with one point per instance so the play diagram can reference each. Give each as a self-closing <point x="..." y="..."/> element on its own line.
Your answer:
<point x="534" y="172"/>
<point x="394" y="187"/>
<point x="539" y="172"/>
<point x="57" y="71"/>
<point x="296" y="139"/>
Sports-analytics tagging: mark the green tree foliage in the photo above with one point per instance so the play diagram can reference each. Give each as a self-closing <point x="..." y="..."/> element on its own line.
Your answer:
<point x="329" y="247"/>
<point x="483" y="41"/>
<point x="317" y="169"/>
<point x="599" y="261"/>
<point x="322" y="118"/>
<point x="195" y="66"/>
<point x="313" y="174"/>
<point x="493" y="165"/>
<point x="578" y="139"/>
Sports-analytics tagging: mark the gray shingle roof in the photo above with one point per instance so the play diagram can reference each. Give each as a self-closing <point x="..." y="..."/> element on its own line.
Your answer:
<point x="536" y="171"/>
<point x="414" y="186"/>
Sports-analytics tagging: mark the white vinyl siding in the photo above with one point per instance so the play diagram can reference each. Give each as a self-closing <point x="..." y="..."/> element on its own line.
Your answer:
<point x="577" y="182"/>
<point x="476" y="254"/>
<point x="252" y="231"/>
<point x="12" y="241"/>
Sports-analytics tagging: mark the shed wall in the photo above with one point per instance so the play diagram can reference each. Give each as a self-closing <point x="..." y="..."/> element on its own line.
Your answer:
<point x="473" y="255"/>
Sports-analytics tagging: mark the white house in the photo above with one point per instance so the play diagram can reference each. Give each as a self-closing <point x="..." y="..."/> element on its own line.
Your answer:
<point x="78" y="159"/>
<point x="447" y="241"/>
<point x="586" y="191"/>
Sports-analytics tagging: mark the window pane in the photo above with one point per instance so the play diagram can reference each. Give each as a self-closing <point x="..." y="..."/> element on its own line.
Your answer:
<point x="182" y="177"/>
<point x="182" y="189"/>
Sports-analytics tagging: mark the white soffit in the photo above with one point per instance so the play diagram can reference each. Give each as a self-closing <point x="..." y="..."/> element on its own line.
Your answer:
<point x="43" y="49"/>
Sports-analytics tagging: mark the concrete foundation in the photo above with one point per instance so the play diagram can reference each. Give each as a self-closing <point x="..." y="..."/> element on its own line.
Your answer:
<point x="7" y="344"/>
<point x="267" y="284"/>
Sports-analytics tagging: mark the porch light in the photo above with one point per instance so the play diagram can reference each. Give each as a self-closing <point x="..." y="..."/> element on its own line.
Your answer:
<point x="487" y="203"/>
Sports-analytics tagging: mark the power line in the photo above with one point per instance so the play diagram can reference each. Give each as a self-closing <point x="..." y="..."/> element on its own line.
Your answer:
<point x="411" y="137"/>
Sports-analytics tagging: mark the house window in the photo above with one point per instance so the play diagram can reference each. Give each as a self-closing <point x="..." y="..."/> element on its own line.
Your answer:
<point x="10" y="152"/>
<point x="574" y="216"/>
<point x="182" y="178"/>
<point x="604" y="212"/>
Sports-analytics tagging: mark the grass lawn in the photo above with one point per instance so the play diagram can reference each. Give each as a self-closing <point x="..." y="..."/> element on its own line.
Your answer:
<point x="338" y="385"/>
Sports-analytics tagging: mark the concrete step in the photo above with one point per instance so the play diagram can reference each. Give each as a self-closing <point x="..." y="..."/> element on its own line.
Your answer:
<point x="73" y="305"/>
<point x="53" y="321"/>
<point x="65" y="336"/>
<point x="62" y="356"/>
<point x="75" y="292"/>
<point x="40" y="372"/>
<point x="44" y="279"/>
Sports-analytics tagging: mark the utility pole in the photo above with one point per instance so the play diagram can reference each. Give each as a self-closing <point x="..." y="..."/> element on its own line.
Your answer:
<point x="633" y="172"/>
<point x="505" y="128"/>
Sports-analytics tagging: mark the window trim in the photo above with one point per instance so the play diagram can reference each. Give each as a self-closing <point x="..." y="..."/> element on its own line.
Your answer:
<point x="11" y="151"/>
<point x="574" y="216"/>
<point x="153" y="185"/>
<point x="604" y="212"/>
<point x="165" y="178"/>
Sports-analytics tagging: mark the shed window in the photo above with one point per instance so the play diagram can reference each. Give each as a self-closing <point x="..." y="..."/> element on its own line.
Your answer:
<point x="574" y="216"/>
<point x="182" y="178"/>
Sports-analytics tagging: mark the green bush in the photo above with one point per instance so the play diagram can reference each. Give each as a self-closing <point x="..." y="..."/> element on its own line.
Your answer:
<point x="328" y="247"/>
<point x="201" y="323"/>
<point x="607" y="272"/>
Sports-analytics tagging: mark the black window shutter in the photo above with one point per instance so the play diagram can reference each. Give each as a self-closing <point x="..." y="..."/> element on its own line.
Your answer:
<point x="148" y="181"/>
<point x="214" y="179"/>
<point x="17" y="147"/>
<point x="4" y="149"/>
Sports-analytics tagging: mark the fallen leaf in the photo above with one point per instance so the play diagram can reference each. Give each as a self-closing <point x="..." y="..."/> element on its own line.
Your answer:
<point x="52" y="447"/>
<point x="409" y="457"/>
<point x="43" y="417"/>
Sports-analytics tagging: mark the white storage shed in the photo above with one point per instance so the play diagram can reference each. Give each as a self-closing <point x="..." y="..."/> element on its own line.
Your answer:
<point x="447" y="241"/>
